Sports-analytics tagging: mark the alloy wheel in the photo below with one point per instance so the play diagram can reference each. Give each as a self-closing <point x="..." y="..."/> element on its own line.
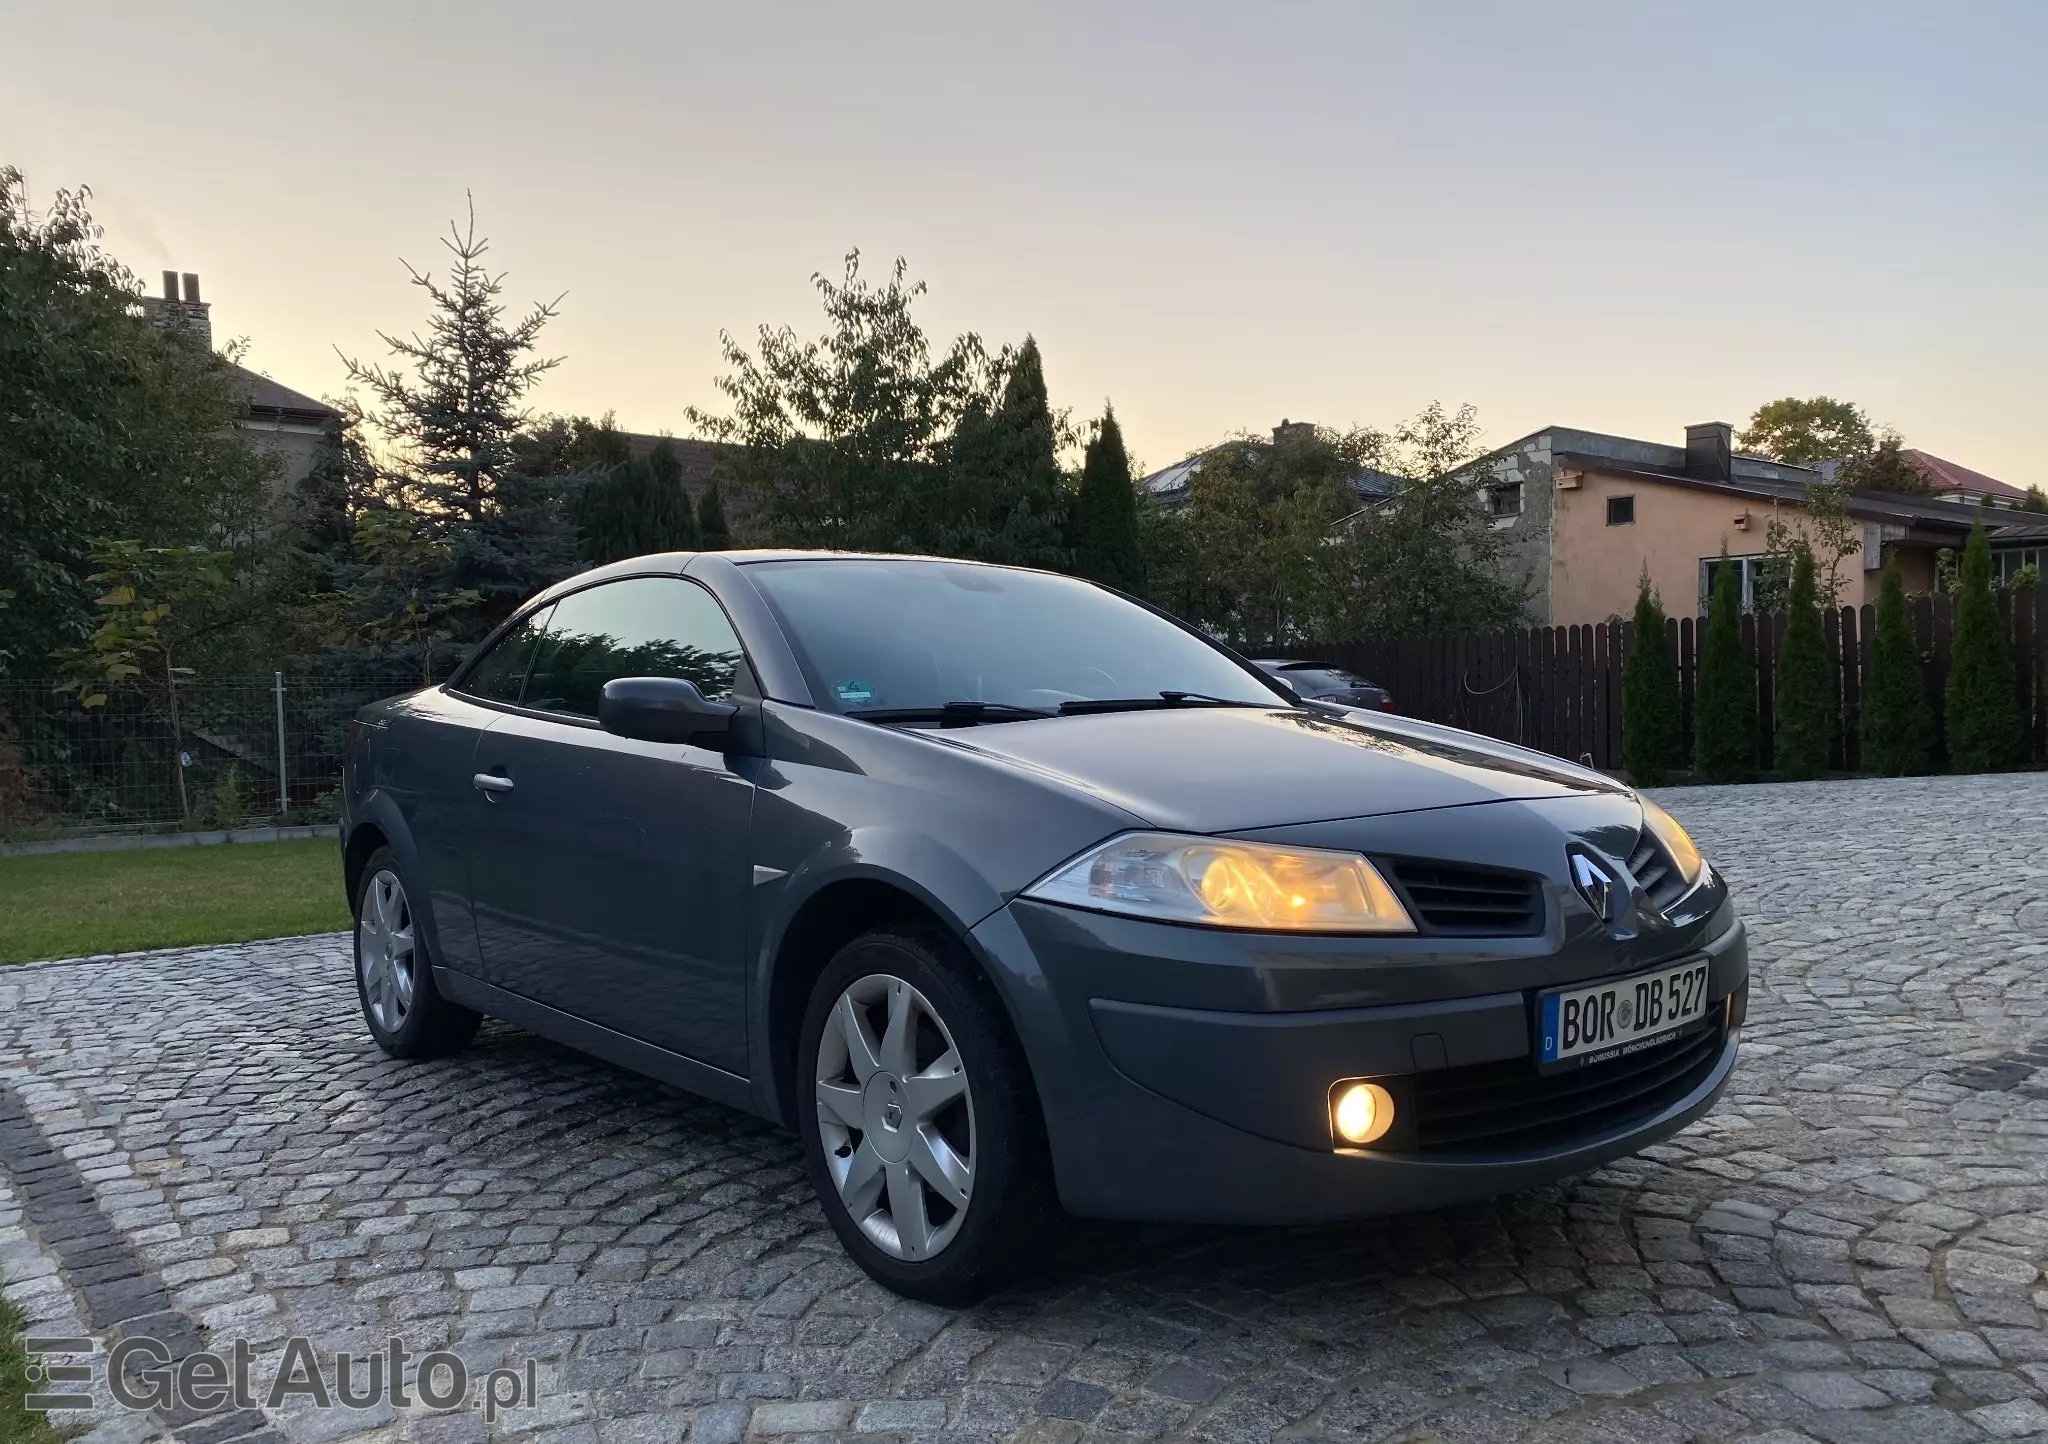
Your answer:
<point x="386" y="951"/>
<point x="896" y="1117"/>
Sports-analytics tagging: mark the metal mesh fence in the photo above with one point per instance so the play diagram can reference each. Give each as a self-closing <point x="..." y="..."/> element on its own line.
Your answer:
<point x="203" y="754"/>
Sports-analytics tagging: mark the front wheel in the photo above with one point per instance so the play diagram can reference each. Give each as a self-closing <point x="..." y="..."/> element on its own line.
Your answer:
<point x="406" y="1013"/>
<point x="921" y="1126"/>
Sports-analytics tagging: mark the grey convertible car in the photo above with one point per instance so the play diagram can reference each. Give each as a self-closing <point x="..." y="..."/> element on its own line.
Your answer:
<point x="1011" y="894"/>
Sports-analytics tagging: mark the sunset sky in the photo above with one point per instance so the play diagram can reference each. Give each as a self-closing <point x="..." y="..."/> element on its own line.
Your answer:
<point x="1620" y="216"/>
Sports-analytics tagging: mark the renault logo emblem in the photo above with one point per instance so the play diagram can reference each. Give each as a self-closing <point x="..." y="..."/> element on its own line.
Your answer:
<point x="1595" y="884"/>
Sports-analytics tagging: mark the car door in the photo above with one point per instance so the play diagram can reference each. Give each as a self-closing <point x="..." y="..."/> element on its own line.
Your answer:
<point x="612" y="879"/>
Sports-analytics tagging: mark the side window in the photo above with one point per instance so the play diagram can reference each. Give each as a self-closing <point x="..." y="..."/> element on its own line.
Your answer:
<point x="501" y="672"/>
<point x="639" y="627"/>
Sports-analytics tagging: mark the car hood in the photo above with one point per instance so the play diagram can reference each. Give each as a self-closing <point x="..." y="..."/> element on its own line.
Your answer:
<point x="1224" y="769"/>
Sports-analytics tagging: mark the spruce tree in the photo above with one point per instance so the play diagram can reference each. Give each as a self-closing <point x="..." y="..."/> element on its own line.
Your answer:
<point x="1806" y="702"/>
<point x="1649" y="694"/>
<point x="449" y="414"/>
<point x="1984" y="729"/>
<point x="714" y="532"/>
<point x="1897" y="731"/>
<point x="1106" y="513"/>
<point x="1724" y="696"/>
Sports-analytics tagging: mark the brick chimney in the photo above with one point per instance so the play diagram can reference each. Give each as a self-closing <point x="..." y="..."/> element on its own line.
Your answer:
<point x="180" y="309"/>
<point x="1293" y="431"/>
<point x="1710" y="451"/>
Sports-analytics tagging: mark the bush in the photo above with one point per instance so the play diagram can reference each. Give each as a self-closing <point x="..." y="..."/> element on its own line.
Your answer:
<point x="1807" y="700"/>
<point x="1898" y="733"/>
<point x="1724" y="700"/>
<point x="1650" y="720"/>
<point x="1984" y="730"/>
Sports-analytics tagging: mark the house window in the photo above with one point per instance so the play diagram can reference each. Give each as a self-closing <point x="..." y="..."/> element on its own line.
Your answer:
<point x="1504" y="499"/>
<point x="1621" y="511"/>
<point x="2010" y="562"/>
<point x="1754" y="573"/>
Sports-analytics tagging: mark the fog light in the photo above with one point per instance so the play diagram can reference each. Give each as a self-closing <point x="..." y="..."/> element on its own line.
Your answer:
<point x="1361" y="1112"/>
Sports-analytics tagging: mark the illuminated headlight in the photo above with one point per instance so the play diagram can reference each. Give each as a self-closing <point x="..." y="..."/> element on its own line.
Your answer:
<point x="1225" y="884"/>
<point x="1678" y="844"/>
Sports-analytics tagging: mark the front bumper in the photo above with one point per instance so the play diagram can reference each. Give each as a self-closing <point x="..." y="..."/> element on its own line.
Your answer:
<point x="1219" y="1114"/>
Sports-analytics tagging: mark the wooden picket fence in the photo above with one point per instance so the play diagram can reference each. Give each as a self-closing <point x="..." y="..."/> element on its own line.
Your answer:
<point x="1558" y="689"/>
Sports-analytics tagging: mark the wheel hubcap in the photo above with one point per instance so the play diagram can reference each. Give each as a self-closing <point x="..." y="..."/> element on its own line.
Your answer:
<point x="385" y="951"/>
<point x="895" y="1117"/>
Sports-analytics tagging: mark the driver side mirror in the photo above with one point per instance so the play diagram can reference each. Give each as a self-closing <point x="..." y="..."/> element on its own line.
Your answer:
<point x="664" y="709"/>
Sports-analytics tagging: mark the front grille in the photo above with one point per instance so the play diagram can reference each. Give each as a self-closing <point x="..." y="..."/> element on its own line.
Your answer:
<point x="1509" y="1107"/>
<point x="1470" y="902"/>
<point x="1659" y="880"/>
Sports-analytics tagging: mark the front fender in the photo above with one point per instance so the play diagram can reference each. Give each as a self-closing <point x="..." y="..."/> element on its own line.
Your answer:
<point x="909" y="861"/>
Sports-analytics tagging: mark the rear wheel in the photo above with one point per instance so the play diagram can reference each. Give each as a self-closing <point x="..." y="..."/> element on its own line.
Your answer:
<point x="921" y="1127"/>
<point x="406" y="1013"/>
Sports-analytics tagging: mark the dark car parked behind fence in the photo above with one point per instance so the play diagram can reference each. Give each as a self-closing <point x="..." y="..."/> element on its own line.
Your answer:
<point x="1011" y="894"/>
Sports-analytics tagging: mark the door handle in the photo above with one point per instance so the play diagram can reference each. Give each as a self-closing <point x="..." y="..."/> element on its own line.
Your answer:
<point x="491" y="782"/>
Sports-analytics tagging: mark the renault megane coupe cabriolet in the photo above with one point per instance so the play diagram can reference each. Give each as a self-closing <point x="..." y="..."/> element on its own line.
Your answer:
<point x="1012" y="895"/>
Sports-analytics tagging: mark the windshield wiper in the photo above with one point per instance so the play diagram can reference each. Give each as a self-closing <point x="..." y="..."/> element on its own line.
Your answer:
<point x="953" y="714"/>
<point x="1159" y="702"/>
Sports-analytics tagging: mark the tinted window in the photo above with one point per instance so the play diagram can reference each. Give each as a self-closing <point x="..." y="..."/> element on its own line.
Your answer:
<point x="1315" y="681"/>
<point x="640" y="627"/>
<point x="501" y="672"/>
<point x="889" y="634"/>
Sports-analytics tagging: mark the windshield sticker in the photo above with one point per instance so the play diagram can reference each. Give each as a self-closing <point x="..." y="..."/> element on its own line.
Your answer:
<point x="853" y="693"/>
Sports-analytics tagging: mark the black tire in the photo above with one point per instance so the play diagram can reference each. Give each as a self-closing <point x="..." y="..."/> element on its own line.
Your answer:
<point x="428" y="1025"/>
<point x="1011" y="1206"/>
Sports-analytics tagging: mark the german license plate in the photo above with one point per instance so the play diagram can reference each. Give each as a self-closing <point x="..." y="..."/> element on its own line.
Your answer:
<point x="1607" y="1020"/>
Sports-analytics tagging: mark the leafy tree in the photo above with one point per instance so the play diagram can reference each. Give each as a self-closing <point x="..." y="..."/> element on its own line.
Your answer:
<point x="1008" y="502"/>
<point x="1898" y="734"/>
<point x="1423" y="557"/>
<point x="109" y="428"/>
<point x="2035" y="500"/>
<point x="1650" y="706"/>
<point x="448" y="424"/>
<point x="1275" y="543"/>
<point x="1884" y="468"/>
<point x="137" y="629"/>
<point x="1724" y="693"/>
<point x="1806" y="704"/>
<point x="714" y="532"/>
<point x="637" y="508"/>
<point x="1807" y="432"/>
<point x="844" y="438"/>
<point x="1985" y="733"/>
<point x="1106" y="545"/>
<point x="1822" y="528"/>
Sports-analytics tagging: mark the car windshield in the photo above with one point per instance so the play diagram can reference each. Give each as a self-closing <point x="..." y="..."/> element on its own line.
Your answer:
<point x="896" y="635"/>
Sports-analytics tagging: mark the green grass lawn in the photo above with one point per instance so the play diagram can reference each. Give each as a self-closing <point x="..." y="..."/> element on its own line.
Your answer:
<point x="68" y="904"/>
<point x="17" y="1425"/>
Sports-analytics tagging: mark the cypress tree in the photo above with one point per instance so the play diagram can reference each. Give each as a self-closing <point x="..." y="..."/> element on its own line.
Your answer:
<point x="1009" y="502"/>
<point x="1897" y="732"/>
<point x="1649" y="694"/>
<point x="1984" y="730"/>
<point x="1724" y="698"/>
<point x="714" y="532"/>
<point x="1106" y="513"/>
<point x="1806" y="703"/>
<point x="637" y="508"/>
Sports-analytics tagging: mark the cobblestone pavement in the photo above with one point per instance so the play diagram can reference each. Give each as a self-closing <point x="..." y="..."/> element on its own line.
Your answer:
<point x="1849" y="1249"/>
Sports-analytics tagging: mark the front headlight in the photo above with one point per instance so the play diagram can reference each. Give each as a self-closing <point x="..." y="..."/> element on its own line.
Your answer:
<point x="1684" y="853"/>
<point x="1224" y="884"/>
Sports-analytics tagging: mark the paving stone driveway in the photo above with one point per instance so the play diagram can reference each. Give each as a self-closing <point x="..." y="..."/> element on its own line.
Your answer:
<point x="1849" y="1249"/>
